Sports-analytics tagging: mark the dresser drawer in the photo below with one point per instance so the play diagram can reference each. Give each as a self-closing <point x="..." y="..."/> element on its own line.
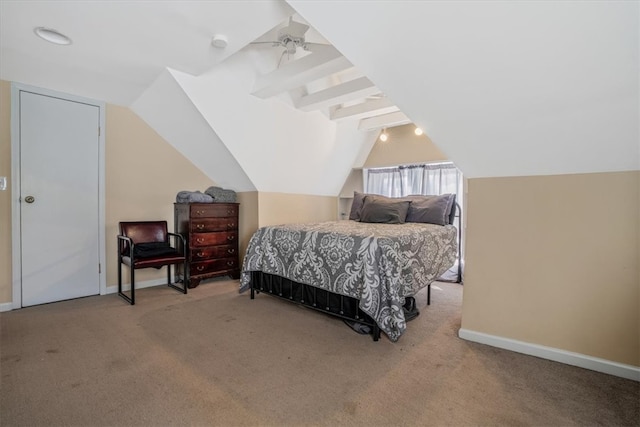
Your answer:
<point x="213" y="210"/>
<point x="199" y="225"/>
<point x="212" y="266"/>
<point x="213" y="239"/>
<point x="200" y="254"/>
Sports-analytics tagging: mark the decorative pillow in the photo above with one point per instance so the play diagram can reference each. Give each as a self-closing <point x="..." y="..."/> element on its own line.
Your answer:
<point x="379" y="209"/>
<point x="356" y="206"/>
<point x="431" y="209"/>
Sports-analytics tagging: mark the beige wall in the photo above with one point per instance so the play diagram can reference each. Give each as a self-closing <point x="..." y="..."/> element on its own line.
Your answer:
<point x="5" y="196"/>
<point x="143" y="174"/>
<point x="248" y="218"/>
<point x="280" y="208"/>
<point x="403" y="147"/>
<point x="554" y="261"/>
<point x="549" y="260"/>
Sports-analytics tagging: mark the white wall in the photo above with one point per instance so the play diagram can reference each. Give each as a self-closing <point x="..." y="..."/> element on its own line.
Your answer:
<point x="280" y="148"/>
<point x="167" y="109"/>
<point x="503" y="88"/>
<point x="120" y="47"/>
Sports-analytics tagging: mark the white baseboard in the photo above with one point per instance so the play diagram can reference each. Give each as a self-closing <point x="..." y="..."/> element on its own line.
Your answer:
<point x="575" y="359"/>
<point x="139" y="285"/>
<point x="6" y="306"/>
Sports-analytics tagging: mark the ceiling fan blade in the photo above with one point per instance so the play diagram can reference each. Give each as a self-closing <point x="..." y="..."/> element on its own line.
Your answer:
<point x="297" y="28"/>
<point x="294" y="29"/>
<point x="310" y="45"/>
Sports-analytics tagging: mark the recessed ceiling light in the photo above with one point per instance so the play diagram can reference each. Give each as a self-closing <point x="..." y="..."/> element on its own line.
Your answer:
<point x="418" y="131"/>
<point x="51" y="35"/>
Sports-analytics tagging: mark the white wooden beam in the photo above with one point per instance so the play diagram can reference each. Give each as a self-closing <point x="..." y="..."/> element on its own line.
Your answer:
<point x="323" y="61"/>
<point x="369" y="108"/>
<point x="386" y="120"/>
<point x="338" y="94"/>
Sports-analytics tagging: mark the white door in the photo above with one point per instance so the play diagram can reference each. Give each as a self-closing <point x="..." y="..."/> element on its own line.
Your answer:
<point x="59" y="198"/>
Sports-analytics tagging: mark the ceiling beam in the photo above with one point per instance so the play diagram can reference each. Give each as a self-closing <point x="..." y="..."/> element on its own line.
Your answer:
<point x="338" y="94"/>
<point x="386" y="120"/>
<point x="323" y="61"/>
<point x="369" y="108"/>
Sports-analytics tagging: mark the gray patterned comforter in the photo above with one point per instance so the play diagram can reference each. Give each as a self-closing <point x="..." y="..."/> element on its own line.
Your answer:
<point x="379" y="264"/>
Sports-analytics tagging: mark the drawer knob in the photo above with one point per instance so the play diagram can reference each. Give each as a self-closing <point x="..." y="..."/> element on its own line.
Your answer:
<point x="200" y="254"/>
<point x="200" y="226"/>
<point x="199" y="212"/>
<point x="231" y="251"/>
<point x="230" y="211"/>
<point x="231" y="225"/>
<point x="230" y="263"/>
<point x="200" y="240"/>
<point x="200" y="267"/>
<point x="230" y="238"/>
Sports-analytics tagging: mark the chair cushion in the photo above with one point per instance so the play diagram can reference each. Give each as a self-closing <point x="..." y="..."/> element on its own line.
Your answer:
<point x="153" y="249"/>
<point x="156" y="262"/>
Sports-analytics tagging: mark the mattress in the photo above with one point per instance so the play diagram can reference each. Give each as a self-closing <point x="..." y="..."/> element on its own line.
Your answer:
<point x="378" y="264"/>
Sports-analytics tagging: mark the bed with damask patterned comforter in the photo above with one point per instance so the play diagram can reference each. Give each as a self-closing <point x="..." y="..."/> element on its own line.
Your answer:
<point x="377" y="265"/>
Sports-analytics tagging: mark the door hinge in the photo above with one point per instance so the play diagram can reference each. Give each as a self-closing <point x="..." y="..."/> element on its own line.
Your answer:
<point x="99" y="268"/>
<point x="99" y="130"/>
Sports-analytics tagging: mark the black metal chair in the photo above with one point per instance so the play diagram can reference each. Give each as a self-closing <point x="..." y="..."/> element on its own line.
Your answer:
<point x="146" y="244"/>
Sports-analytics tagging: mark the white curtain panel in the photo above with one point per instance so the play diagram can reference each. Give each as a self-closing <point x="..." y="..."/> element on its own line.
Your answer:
<point x="386" y="182"/>
<point x="427" y="179"/>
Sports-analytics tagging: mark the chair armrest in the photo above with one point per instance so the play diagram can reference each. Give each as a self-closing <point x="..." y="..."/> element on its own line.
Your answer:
<point x="184" y="246"/>
<point x="128" y="240"/>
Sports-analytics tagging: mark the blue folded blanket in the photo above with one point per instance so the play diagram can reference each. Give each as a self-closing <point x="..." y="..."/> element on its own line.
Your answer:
<point x="193" y="197"/>
<point x="220" y="195"/>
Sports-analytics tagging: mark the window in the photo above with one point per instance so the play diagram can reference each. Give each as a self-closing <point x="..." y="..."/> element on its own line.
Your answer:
<point x="431" y="179"/>
<point x="427" y="179"/>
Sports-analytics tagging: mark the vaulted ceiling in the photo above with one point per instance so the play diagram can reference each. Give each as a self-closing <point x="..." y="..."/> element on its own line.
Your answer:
<point x="503" y="88"/>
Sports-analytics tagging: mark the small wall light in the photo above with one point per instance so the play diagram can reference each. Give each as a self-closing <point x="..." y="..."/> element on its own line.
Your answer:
<point x="383" y="135"/>
<point x="418" y="131"/>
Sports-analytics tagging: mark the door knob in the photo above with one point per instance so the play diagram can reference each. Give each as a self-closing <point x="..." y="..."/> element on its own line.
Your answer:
<point x="29" y="199"/>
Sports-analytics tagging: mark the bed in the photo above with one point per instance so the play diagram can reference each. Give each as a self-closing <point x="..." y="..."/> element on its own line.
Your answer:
<point x="366" y="269"/>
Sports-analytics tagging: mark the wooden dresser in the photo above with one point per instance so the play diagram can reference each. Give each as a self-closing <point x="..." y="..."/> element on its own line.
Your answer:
<point x="211" y="235"/>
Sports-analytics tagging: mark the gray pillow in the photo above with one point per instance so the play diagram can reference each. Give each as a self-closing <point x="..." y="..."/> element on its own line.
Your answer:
<point x="378" y="210"/>
<point x="356" y="206"/>
<point x="430" y="209"/>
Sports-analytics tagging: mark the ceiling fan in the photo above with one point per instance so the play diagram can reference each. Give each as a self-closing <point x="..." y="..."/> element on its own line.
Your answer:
<point x="291" y="38"/>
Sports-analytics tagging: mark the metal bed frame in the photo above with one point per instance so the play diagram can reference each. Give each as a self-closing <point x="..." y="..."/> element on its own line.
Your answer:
<point x="336" y="305"/>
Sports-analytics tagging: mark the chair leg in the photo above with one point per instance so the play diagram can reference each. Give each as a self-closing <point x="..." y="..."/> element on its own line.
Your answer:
<point x="185" y="280"/>
<point x="182" y="289"/>
<point x="119" y="276"/>
<point x="122" y="294"/>
<point x="133" y="285"/>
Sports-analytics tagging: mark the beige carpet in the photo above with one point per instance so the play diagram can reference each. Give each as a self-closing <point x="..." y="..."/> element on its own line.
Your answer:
<point x="214" y="357"/>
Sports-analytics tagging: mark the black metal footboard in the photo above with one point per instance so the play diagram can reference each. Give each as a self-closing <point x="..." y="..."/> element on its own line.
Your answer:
<point x="321" y="300"/>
